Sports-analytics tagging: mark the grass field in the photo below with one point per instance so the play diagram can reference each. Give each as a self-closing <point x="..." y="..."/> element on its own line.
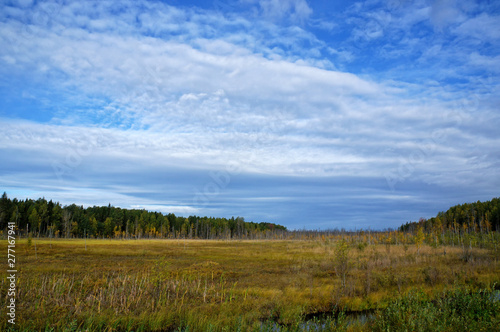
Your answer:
<point x="198" y="285"/>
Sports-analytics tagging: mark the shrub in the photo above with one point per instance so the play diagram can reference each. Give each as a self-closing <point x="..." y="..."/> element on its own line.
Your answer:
<point x="342" y="261"/>
<point x="456" y="310"/>
<point x="29" y="243"/>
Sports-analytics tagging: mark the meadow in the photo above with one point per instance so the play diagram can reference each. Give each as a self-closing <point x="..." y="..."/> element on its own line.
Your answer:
<point x="244" y="285"/>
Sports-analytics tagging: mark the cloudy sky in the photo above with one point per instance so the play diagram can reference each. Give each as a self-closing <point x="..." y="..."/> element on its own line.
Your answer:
<point x="315" y="114"/>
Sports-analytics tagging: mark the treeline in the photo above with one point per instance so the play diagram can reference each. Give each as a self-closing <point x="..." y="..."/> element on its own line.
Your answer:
<point x="48" y="219"/>
<point x="479" y="217"/>
<point x="467" y="223"/>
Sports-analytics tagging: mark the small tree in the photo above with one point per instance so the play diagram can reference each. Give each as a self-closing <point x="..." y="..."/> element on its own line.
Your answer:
<point x="437" y="229"/>
<point x="342" y="261"/>
<point x="388" y="242"/>
<point x="419" y="238"/>
<point x="29" y="242"/>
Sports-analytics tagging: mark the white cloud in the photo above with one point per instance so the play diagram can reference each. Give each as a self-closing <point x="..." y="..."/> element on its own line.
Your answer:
<point x="488" y="63"/>
<point x="444" y="13"/>
<point x="484" y="28"/>
<point x="157" y="90"/>
<point x="176" y="209"/>
<point x="144" y="76"/>
<point x="295" y="11"/>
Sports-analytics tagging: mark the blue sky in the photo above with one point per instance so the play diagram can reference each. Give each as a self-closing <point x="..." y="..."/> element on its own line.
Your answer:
<point x="311" y="114"/>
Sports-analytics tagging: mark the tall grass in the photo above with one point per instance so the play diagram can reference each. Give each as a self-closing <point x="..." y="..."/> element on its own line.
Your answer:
<point x="454" y="310"/>
<point x="167" y="285"/>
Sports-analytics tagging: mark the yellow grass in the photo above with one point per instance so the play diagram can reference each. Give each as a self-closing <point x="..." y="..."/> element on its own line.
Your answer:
<point x="165" y="284"/>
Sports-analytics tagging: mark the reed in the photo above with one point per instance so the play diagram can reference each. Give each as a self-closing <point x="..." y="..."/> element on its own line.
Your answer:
<point x="167" y="285"/>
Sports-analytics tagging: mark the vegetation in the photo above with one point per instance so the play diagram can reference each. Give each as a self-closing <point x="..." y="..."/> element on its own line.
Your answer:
<point x="48" y="219"/>
<point x="455" y="310"/>
<point x="411" y="279"/>
<point x="202" y="285"/>
<point x="479" y="217"/>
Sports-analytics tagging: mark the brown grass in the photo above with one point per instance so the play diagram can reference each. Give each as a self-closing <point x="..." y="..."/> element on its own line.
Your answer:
<point x="166" y="284"/>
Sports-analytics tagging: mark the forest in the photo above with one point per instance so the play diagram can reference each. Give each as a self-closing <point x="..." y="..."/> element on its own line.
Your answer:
<point x="44" y="218"/>
<point x="469" y="217"/>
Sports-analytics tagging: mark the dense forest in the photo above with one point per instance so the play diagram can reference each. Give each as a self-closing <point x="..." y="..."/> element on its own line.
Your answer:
<point x="479" y="217"/>
<point x="48" y="219"/>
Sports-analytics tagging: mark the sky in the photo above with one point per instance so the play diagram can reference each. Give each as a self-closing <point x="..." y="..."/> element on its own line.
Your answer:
<point x="310" y="114"/>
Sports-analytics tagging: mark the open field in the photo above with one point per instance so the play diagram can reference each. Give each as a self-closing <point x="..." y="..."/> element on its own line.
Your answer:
<point x="200" y="285"/>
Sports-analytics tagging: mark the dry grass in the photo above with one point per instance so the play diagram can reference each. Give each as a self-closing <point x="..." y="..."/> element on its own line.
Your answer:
<point x="167" y="284"/>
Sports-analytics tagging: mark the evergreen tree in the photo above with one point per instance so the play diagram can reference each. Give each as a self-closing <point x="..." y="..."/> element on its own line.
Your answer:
<point x="34" y="220"/>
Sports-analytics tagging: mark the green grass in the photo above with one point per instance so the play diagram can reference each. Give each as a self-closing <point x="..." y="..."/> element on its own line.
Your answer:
<point x="455" y="310"/>
<point x="198" y="285"/>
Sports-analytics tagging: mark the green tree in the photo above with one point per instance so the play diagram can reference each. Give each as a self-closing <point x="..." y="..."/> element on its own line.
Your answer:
<point x="56" y="218"/>
<point x="109" y="227"/>
<point x="15" y="216"/>
<point x="185" y="228"/>
<point x="4" y="210"/>
<point x="43" y="212"/>
<point x="34" y="220"/>
<point x="93" y="227"/>
<point x="164" y="225"/>
<point x="74" y="229"/>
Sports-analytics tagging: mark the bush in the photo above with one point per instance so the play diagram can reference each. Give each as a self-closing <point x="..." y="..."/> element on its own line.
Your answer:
<point x="456" y="310"/>
<point x="29" y="243"/>
<point x="361" y="246"/>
